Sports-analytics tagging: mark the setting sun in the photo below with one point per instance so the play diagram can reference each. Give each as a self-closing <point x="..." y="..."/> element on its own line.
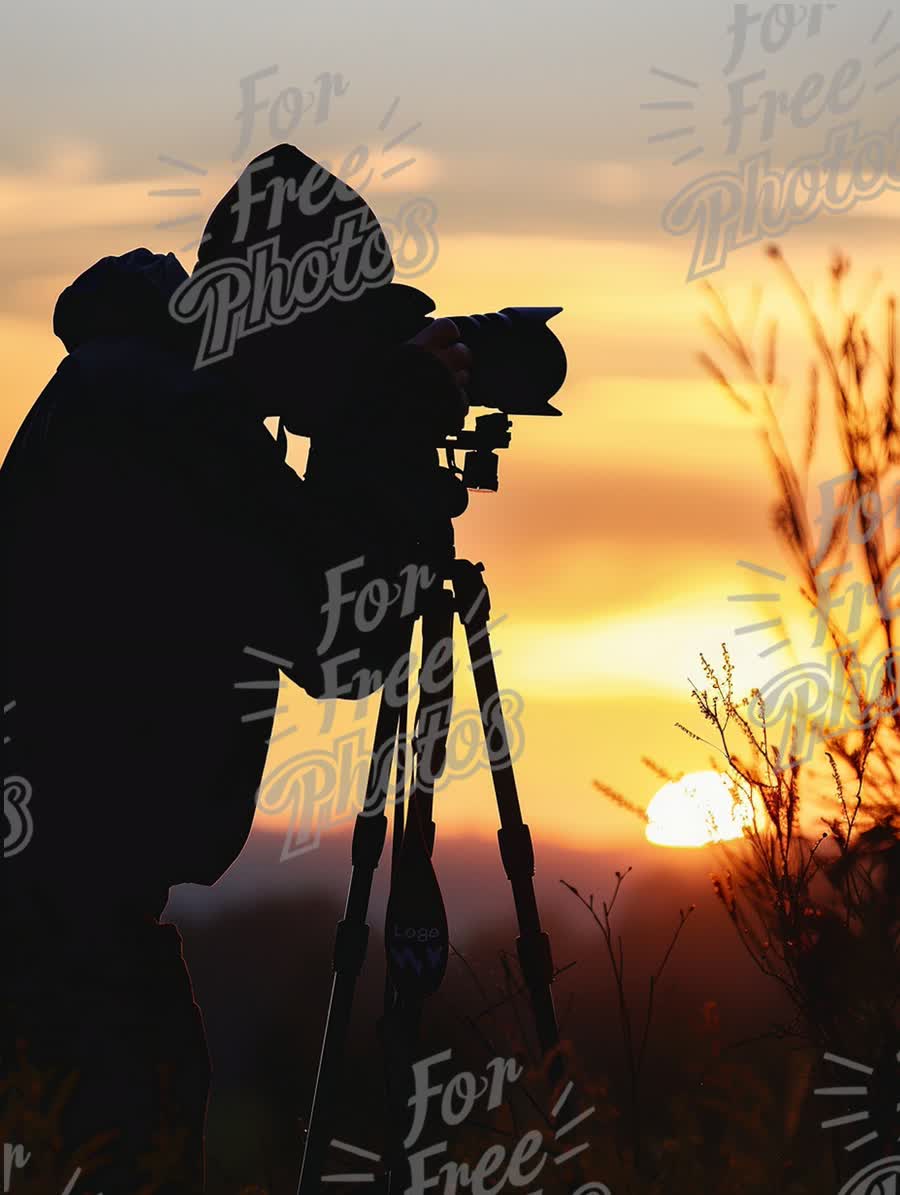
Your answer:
<point x="695" y="810"/>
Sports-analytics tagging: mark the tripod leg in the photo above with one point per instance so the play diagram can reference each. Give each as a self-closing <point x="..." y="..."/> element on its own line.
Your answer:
<point x="391" y="1023"/>
<point x="399" y="806"/>
<point x="415" y="967"/>
<point x="399" y="1031"/>
<point x="516" y="850"/>
<point x="350" y="946"/>
<point x="434" y="710"/>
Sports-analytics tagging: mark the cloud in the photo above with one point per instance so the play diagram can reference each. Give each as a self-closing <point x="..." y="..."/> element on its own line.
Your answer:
<point x="63" y="198"/>
<point x="652" y="648"/>
<point x="30" y="357"/>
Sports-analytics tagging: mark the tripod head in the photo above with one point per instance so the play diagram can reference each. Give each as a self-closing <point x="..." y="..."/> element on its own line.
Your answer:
<point x="481" y="465"/>
<point x="445" y="488"/>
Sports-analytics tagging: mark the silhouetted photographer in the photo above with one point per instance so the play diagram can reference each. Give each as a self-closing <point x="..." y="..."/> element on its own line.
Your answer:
<point x="160" y="551"/>
<point x="152" y="532"/>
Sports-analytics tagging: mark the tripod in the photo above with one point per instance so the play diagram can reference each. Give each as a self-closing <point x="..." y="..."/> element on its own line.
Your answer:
<point x="416" y="935"/>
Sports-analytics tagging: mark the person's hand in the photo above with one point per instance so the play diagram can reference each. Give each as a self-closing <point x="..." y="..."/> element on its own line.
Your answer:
<point x="440" y="338"/>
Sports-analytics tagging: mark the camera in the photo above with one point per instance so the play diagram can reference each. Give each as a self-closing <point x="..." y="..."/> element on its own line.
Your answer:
<point x="518" y="365"/>
<point x="517" y="362"/>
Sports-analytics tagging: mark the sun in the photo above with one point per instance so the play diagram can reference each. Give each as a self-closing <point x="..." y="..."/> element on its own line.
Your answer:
<point x="695" y="810"/>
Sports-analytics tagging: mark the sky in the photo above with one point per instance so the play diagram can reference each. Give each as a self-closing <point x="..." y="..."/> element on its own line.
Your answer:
<point x="614" y="542"/>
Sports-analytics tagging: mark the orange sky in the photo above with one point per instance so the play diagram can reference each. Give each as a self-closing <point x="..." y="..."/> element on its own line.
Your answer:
<point x="613" y="544"/>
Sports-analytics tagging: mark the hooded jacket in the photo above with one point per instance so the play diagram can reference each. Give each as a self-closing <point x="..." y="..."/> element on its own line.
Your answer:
<point x="147" y="517"/>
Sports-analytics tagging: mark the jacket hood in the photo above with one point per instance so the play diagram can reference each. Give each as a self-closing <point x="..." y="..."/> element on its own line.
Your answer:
<point x="119" y="296"/>
<point x="283" y="192"/>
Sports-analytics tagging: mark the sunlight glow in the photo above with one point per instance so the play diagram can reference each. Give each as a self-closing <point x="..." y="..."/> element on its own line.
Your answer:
<point x="695" y="810"/>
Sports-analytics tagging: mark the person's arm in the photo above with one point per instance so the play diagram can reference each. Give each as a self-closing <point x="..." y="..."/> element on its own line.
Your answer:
<point x="369" y="485"/>
<point x="156" y="428"/>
